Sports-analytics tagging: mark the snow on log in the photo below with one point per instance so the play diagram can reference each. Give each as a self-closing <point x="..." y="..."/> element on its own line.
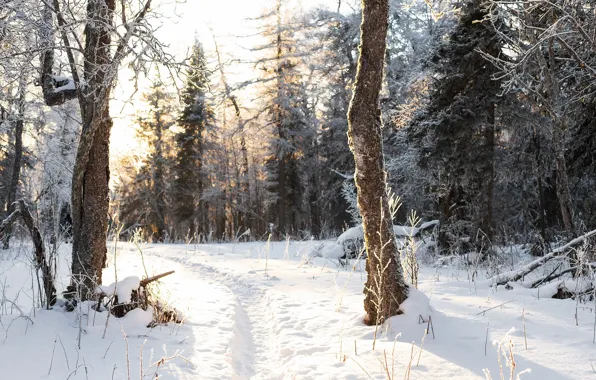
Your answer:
<point x="515" y="275"/>
<point x="121" y="289"/>
<point x="399" y="231"/>
<point x="63" y="84"/>
<point x="350" y="243"/>
<point x="132" y="293"/>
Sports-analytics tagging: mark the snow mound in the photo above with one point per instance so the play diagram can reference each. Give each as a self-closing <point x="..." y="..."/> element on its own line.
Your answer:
<point x="416" y="304"/>
<point x="139" y="317"/>
<point x="122" y="289"/>
<point x="333" y="251"/>
<point x="573" y="286"/>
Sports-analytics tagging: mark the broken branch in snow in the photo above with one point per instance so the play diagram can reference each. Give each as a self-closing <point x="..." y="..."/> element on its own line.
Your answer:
<point x="553" y="275"/>
<point x="494" y="307"/>
<point x="147" y="281"/>
<point x="515" y="275"/>
<point x="131" y="293"/>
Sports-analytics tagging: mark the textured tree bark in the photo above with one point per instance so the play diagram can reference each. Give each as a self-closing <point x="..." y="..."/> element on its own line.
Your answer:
<point x="91" y="172"/>
<point x="385" y="288"/>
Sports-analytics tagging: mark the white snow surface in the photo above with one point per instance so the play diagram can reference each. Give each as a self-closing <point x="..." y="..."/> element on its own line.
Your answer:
<point x="254" y="311"/>
<point x="122" y="288"/>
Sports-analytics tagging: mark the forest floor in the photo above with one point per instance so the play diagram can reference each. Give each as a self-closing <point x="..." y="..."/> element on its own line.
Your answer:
<point x="257" y="311"/>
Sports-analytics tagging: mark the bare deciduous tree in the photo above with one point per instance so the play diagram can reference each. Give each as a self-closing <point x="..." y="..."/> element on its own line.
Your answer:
<point x="92" y="87"/>
<point x="385" y="288"/>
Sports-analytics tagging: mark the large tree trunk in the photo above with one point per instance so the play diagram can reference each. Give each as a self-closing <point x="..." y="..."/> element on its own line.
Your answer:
<point x="385" y="288"/>
<point x="18" y="157"/>
<point x="91" y="173"/>
<point x="90" y="210"/>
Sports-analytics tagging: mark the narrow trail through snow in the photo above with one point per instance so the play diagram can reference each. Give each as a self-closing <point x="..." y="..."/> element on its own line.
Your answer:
<point x="251" y="349"/>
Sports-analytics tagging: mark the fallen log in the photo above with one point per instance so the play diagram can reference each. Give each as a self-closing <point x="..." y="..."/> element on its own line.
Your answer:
<point x="139" y="297"/>
<point x="552" y="276"/>
<point x="515" y="275"/>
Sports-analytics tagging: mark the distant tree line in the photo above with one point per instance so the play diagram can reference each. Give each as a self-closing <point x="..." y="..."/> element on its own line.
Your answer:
<point x="489" y="126"/>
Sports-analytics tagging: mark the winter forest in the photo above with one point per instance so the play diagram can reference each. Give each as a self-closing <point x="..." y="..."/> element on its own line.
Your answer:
<point x="285" y="189"/>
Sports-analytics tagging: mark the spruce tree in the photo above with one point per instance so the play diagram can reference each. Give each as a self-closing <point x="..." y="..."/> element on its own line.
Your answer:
<point x="196" y="116"/>
<point x="287" y="116"/>
<point x="456" y="131"/>
<point x="145" y="200"/>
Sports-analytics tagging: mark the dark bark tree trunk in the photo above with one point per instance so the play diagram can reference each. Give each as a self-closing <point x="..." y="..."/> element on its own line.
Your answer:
<point x="18" y="158"/>
<point x="385" y="288"/>
<point x="91" y="172"/>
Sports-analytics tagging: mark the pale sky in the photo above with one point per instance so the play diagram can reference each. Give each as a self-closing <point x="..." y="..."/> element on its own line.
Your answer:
<point x="184" y="20"/>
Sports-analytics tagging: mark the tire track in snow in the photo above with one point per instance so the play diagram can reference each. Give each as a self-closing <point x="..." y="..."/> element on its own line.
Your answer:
<point x="252" y="347"/>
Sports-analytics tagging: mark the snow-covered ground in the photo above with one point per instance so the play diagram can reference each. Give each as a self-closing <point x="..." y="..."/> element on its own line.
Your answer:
<point x="257" y="311"/>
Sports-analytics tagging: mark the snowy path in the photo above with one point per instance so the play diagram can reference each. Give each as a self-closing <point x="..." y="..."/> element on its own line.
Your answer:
<point x="287" y="325"/>
<point x="220" y="332"/>
<point x="254" y="312"/>
<point x="280" y="330"/>
<point x="251" y="336"/>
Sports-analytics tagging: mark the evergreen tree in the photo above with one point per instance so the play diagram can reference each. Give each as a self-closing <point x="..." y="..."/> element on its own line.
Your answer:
<point x="456" y="131"/>
<point x="196" y="116"/>
<point x="285" y="106"/>
<point x="148" y="204"/>
<point x="338" y="36"/>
